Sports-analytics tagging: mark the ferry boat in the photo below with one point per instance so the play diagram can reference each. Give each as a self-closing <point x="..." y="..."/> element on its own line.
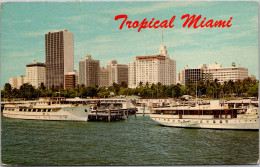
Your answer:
<point x="55" y="110"/>
<point x="215" y="115"/>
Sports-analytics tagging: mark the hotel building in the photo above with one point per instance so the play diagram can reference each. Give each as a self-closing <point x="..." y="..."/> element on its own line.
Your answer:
<point x="89" y="71"/>
<point x="36" y="73"/>
<point x="118" y="73"/>
<point x="153" y="69"/>
<point x="212" y="72"/>
<point x="59" y="51"/>
<point x="16" y="82"/>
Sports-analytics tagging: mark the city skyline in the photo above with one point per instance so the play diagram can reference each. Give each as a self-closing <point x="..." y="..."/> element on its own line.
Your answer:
<point x="97" y="34"/>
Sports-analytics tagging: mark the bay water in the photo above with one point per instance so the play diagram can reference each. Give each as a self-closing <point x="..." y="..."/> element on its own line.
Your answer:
<point x="134" y="141"/>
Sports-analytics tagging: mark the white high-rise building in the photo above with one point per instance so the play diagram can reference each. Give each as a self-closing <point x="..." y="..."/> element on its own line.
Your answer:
<point x="118" y="73"/>
<point x="152" y="69"/>
<point x="212" y="72"/>
<point x="223" y="74"/>
<point x="36" y="73"/>
<point x="13" y="82"/>
<point x="104" y="77"/>
<point x="59" y="52"/>
<point x="16" y="82"/>
<point x="89" y="71"/>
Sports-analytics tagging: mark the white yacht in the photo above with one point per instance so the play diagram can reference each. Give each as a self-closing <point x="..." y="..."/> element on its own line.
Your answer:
<point x="47" y="110"/>
<point x="215" y="115"/>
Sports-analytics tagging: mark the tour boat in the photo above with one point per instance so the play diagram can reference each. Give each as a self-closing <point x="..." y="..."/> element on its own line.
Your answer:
<point x="215" y="115"/>
<point x="55" y="110"/>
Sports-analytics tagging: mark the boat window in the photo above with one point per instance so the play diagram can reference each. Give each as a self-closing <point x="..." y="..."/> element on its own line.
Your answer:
<point x="44" y="110"/>
<point x="174" y="113"/>
<point x="34" y="110"/>
<point x="29" y="110"/>
<point x="39" y="110"/>
<point x="172" y="120"/>
<point x="20" y="109"/>
<point x="49" y="110"/>
<point x="214" y="121"/>
<point x="200" y="121"/>
<point x="226" y="121"/>
<point x="86" y="110"/>
<point x="220" y="121"/>
<point x="207" y="121"/>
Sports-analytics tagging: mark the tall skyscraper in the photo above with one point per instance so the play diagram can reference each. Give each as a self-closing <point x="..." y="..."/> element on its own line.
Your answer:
<point x="59" y="51"/>
<point x="118" y="73"/>
<point x="36" y="73"/>
<point x="89" y="71"/>
<point x="153" y="69"/>
<point x="104" y="77"/>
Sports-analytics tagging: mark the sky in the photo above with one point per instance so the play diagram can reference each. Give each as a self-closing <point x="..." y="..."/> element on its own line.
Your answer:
<point x="96" y="33"/>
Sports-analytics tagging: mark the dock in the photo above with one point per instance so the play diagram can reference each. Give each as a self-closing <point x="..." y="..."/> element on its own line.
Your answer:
<point x="108" y="115"/>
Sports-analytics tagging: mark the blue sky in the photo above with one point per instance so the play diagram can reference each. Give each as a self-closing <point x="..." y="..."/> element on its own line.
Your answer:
<point x="96" y="33"/>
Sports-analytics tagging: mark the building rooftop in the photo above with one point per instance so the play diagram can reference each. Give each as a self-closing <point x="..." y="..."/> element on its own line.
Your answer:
<point x="151" y="57"/>
<point x="36" y="64"/>
<point x="64" y="30"/>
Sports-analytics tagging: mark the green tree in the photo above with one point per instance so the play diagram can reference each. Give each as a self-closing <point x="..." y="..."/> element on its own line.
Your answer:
<point x="27" y="91"/>
<point x="253" y="91"/>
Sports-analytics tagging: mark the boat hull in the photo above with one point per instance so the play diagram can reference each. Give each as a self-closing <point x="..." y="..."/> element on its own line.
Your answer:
<point x="64" y="114"/>
<point x="229" y="123"/>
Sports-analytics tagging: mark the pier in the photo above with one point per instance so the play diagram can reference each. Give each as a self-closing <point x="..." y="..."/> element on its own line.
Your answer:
<point x="108" y="115"/>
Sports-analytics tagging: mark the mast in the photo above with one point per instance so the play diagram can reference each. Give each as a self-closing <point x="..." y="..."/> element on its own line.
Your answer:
<point x="196" y="93"/>
<point x="162" y="37"/>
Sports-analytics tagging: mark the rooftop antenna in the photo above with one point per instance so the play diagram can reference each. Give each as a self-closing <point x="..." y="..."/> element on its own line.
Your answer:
<point x="162" y="36"/>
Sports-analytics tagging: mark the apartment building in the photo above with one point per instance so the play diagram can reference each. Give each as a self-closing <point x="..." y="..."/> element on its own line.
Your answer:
<point x="118" y="73"/>
<point x="89" y="71"/>
<point x="59" y="51"/>
<point x="212" y="72"/>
